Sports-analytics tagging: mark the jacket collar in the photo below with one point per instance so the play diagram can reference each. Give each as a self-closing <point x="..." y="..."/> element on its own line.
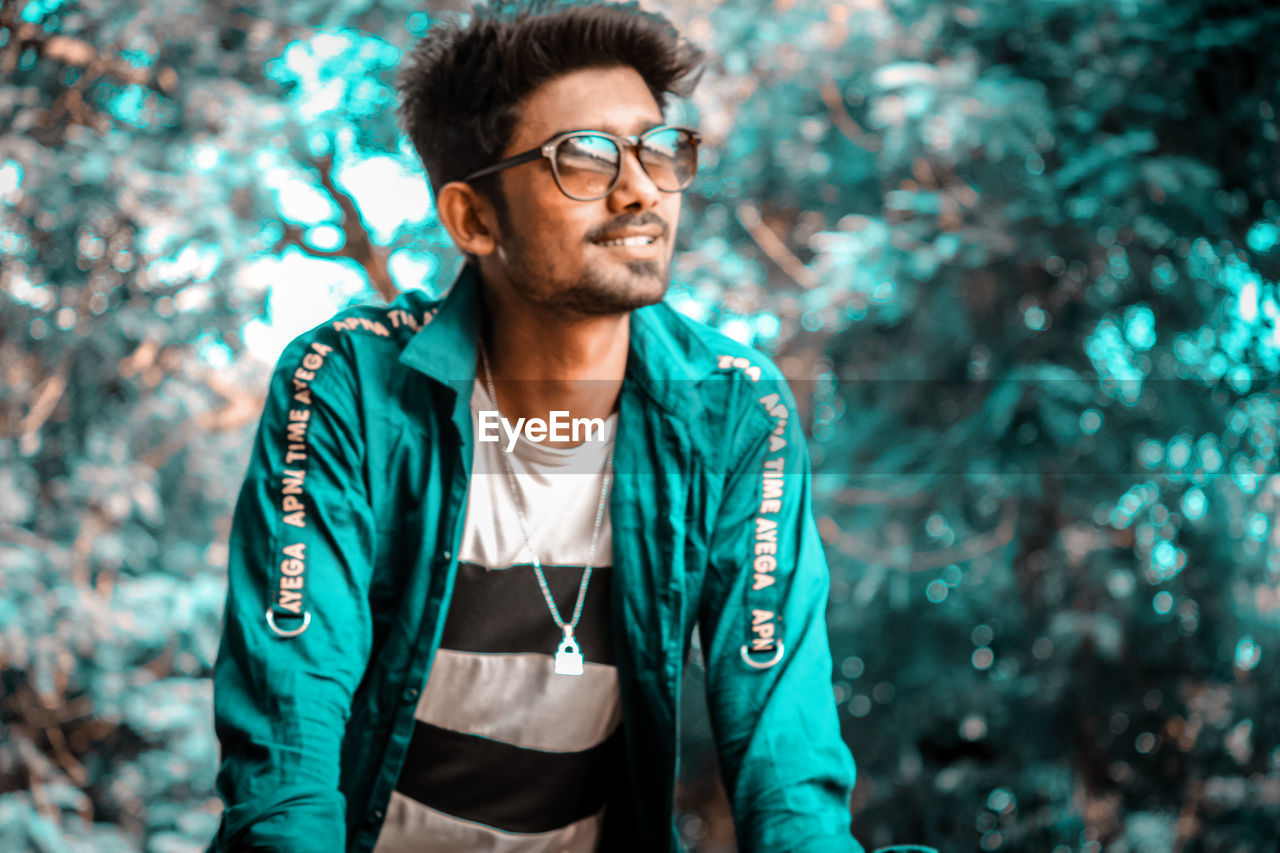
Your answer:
<point x="445" y="348"/>
<point x="666" y="357"/>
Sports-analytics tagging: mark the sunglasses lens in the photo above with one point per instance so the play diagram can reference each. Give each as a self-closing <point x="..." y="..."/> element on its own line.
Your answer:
<point x="586" y="165"/>
<point x="670" y="157"/>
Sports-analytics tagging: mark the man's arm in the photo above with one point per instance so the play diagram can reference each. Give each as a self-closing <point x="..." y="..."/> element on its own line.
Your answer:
<point x="788" y="774"/>
<point x="302" y="541"/>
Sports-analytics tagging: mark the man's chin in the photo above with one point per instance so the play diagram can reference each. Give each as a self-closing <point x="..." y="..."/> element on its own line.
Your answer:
<point x="646" y="284"/>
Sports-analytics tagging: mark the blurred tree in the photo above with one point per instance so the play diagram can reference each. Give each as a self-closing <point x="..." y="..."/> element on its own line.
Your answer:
<point x="1019" y="258"/>
<point x="1026" y="255"/>
<point x="164" y="169"/>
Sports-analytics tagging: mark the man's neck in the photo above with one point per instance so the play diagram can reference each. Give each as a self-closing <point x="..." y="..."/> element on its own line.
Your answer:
<point x="545" y="361"/>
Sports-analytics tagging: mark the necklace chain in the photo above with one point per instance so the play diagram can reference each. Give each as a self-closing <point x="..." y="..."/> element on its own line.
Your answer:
<point x="566" y="627"/>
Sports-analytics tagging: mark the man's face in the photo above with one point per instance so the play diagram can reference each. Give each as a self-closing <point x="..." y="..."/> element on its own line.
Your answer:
<point x="552" y="249"/>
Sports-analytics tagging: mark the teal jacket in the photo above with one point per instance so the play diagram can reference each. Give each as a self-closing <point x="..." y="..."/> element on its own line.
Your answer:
<point x="343" y="554"/>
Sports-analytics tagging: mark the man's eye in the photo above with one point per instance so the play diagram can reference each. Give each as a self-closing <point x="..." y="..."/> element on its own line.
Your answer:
<point x="595" y="154"/>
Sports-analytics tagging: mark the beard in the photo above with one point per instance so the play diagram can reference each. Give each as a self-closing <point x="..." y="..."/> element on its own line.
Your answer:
<point x="601" y="288"/>
<point x="645" y="283"/>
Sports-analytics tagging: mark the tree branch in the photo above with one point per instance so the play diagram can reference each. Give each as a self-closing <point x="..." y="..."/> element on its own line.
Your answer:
<point x="843" y="121"/>
<point x="777" y="251"/>
<point x="359" y="244"/>
<point x="46" y="399"/>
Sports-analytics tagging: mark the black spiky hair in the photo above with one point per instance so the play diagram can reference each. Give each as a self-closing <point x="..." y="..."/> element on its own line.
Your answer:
<point x="462" y="85"/>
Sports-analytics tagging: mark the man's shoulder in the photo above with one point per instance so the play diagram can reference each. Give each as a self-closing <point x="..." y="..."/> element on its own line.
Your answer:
<point x="394" y="323"/>
<point x="361" y="334"/>
<point x="354" y="353"/>
<point x="707" y="351"/>
<point x="739" y="392"/>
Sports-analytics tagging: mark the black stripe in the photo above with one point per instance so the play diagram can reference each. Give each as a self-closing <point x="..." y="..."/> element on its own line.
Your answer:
<point x="502" y="610"/>
<point x="504" y="786"/>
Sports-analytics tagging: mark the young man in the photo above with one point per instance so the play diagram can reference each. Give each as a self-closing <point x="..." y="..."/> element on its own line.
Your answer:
<point x="436" y="641"/>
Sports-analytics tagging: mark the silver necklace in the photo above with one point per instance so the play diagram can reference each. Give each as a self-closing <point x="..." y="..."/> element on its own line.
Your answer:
<point x="568" y="655"/>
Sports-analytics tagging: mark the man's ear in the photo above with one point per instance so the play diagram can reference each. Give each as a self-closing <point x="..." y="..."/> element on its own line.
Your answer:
<point x="469" y="218"/>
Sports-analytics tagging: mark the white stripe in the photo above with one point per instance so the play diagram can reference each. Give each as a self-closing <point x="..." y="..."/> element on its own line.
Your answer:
<point x="411" y="827"/>
<point x="518" y="699"/>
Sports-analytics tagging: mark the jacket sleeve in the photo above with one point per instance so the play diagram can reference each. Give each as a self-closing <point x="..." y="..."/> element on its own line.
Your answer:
<point x="788" y="774"/>
<point x="301" y="547"/>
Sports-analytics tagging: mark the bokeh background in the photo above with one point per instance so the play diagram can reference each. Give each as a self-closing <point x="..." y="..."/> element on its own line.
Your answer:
<point x="1019" y="257"/>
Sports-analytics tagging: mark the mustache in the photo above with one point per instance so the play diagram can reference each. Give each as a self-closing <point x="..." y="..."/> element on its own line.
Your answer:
<point x="629" y="221"/>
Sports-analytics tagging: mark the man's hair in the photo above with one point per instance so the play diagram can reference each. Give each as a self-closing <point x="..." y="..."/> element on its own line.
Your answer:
<point x="462" y="85"/>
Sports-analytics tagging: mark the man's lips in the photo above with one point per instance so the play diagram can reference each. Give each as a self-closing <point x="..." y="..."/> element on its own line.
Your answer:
<point x="632" y="246"/>
<point x="631" y="242"/>
<point x="629" y="237"/>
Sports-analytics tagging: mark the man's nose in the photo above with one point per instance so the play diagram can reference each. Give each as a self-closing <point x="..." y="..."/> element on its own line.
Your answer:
<point x="635" y="189"/>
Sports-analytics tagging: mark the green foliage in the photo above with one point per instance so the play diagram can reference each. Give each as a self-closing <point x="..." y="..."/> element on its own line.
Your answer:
<point x="1019" y="258"/>
<point x="1043" y="268"/>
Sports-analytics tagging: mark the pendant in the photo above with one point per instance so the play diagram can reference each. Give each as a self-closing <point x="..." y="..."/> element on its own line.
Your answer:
<point x="568" y="657"/>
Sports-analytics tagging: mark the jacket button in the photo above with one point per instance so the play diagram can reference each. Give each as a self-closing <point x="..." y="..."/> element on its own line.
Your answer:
<point x="446" y="555"/>
<point x="376" y="815"/>
<point x="410" y="693"/>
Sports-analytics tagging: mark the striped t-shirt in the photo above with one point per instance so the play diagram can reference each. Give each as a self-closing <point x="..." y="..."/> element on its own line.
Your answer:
<point x="507" y="756"/>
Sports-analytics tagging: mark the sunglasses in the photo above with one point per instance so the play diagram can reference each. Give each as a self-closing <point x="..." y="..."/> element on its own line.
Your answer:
<point x="587" y="164"/>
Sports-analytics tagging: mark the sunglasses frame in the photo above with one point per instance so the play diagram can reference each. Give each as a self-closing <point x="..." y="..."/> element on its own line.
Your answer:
<point x="547" y="150"/>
